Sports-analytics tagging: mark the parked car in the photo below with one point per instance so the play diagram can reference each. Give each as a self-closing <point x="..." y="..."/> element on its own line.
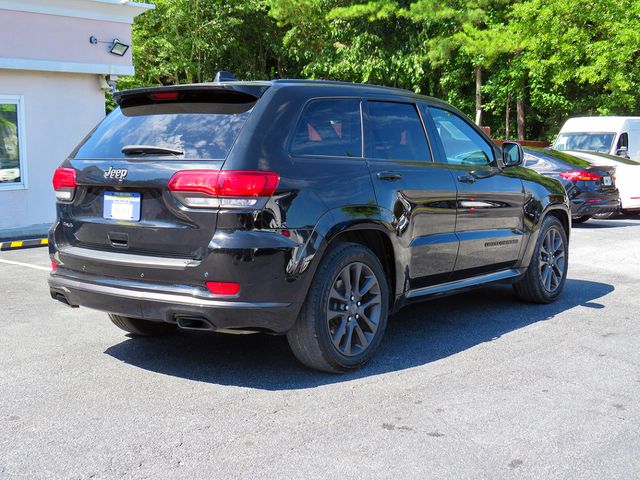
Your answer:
<point x="627" y="179"/>
<point x="618" y="136"/>
<point x="305" y="208"/>
<point x="591" y="188"/>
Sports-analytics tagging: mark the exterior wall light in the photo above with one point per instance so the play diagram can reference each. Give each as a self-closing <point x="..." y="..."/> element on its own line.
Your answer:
<point x="119" y="48"/>
<point x="116" y="46"/>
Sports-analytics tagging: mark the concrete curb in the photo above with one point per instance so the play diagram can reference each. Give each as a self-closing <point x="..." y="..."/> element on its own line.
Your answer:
<point x="17" y="244"/>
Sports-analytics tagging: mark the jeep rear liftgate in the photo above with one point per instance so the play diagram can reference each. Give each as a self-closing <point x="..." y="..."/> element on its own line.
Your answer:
<point x="115" y="193"/>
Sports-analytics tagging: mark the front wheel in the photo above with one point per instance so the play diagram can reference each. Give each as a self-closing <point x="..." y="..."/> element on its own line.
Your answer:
<point x="545" y="278"/>
<point x="140" y="327"/>
<point x="344" y="317"/>
<point x="581" y="219"/>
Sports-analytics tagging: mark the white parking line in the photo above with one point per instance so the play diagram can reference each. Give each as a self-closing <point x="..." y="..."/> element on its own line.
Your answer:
<point x="37" y="267"/>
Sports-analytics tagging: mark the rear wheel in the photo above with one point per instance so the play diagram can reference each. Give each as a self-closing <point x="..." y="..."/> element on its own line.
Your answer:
<point x="138" y="326"/>
<point x="547" y="271"/>
<point x="581" y="219"/>
<point x="344" y="316"/>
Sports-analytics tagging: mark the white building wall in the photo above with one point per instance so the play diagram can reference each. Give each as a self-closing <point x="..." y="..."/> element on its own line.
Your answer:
<point x="60" y="109"/>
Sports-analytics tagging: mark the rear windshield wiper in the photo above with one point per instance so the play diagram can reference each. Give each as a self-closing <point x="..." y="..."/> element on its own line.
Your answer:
<point x="149" y="150"/>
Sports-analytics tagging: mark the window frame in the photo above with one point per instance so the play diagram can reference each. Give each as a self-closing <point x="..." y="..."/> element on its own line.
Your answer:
<point x="18" y="100"/>
<point x="369" y="141"/>
<point x="301" y="112"/>
<point x="495" y="163"/>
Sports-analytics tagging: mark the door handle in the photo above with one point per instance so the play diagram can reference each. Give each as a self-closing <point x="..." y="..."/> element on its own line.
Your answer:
<point x="466" y="178"/>
<point x="387" y="175"/>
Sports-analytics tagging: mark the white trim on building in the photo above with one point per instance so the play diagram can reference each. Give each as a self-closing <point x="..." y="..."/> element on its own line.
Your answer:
<point x="18" y="100"/>
<point x="106" y="10"/>
<point x="70" y="67"/>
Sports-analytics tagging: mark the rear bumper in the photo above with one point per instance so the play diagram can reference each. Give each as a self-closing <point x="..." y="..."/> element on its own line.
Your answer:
<point x="594" y="206"/>
<point x="168" y="303"/>
<point x="630" y="203"/>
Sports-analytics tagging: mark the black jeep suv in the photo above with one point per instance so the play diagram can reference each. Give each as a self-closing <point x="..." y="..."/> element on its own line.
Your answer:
<point x="306" y="208"/>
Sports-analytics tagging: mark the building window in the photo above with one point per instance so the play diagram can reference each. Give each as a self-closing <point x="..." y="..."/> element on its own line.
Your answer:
<point x="12" y="140"/>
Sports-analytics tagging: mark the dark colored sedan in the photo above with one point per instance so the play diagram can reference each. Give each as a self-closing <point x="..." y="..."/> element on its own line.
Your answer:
<point x="591" y="188"/>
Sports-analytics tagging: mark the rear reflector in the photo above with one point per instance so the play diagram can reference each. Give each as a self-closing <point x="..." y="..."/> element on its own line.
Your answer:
<point x="593" y="200"/>
<point x="223" y="288"/>
<point x="239" y="188"/>
<point x="581" y="175"/>
<point x="54" y="265"/>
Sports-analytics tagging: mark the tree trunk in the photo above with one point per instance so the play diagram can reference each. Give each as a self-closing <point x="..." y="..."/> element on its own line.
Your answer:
<point x="520" y="118"/>
<point x="506" y="118"/>
<point x="479" y="96"/>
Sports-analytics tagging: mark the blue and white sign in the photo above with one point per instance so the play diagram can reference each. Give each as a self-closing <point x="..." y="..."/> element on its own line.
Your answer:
<point x="122" y="206"/>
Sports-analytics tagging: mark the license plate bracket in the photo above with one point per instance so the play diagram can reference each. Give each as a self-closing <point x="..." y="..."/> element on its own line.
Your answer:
<point x="122" y="206"/>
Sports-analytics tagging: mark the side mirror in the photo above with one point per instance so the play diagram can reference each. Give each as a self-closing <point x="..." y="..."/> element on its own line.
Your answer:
<point x="622" y="152"/>
<point x="512" y="154"/>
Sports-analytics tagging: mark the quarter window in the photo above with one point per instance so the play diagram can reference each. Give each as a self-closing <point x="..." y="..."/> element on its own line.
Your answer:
<point x="12" y="172"/>
<point x="329" y="128"/>
<point x="462" y="144"/>
<point x="396" y="132"/>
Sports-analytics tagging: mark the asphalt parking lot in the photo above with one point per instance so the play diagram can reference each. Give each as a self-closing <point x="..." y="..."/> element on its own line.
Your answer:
<point x="472" y="386"/>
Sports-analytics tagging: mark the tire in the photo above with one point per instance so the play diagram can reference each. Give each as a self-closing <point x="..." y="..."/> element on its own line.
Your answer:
<point x="139" y="327"/>
<point x="604" y="216"/>
<point x="323" y="337"/>
<point x="581" y="219"/>
<point x="545" y="278"/>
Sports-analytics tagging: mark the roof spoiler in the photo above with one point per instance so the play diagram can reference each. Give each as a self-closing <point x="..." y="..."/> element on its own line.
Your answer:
<point x="242" y="92"/>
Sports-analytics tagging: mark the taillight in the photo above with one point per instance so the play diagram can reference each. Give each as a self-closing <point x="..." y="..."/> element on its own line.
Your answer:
<point x="229" y="188"/>
<point x="581" y="175"/>
<point x="223" y="288"/>
<point x="54" y="265"/>
<point x="64" y="183"/>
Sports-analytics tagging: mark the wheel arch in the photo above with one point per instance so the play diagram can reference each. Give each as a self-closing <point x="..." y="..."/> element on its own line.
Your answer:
<point x="374" y="232"/>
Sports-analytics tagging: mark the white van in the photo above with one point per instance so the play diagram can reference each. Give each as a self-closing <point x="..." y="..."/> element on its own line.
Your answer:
<point x="613" y="135"/>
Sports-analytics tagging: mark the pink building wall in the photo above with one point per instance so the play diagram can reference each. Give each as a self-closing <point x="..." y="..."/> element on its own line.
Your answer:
<point x="55" y="38"/>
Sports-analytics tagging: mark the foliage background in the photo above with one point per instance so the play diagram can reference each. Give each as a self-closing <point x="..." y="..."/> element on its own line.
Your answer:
<point x="548" y="59"/>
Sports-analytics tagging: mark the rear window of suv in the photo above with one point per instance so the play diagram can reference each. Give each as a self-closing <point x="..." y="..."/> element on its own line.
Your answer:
<point x="203" y="131"/>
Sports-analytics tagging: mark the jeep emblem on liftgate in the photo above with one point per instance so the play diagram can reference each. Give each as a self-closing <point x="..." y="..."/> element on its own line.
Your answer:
<point x="117" y="173"/>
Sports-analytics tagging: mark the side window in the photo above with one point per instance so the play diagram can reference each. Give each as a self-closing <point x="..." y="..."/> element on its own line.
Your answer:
<point x="542" y="162"/>
<point x="396" y="132"/>
<point x="329" y="128"/>
<point x="462" y="144"/>
<point x="623" y="141"/>
<point x="12" y="161"/>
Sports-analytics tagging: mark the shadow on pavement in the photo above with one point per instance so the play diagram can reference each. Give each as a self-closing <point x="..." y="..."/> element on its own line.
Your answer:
<point x="419" y="334"/>
<point x="617" y="222"/>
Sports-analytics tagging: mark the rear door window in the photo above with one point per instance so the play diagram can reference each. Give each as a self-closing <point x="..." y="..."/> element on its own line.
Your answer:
<point x="203" y="131"/>
<point x="330" y="128"/>
<point x="395" y="132"/>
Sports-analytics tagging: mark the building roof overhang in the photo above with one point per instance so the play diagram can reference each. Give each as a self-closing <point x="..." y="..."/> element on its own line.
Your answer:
<point x="122" y="11"/>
